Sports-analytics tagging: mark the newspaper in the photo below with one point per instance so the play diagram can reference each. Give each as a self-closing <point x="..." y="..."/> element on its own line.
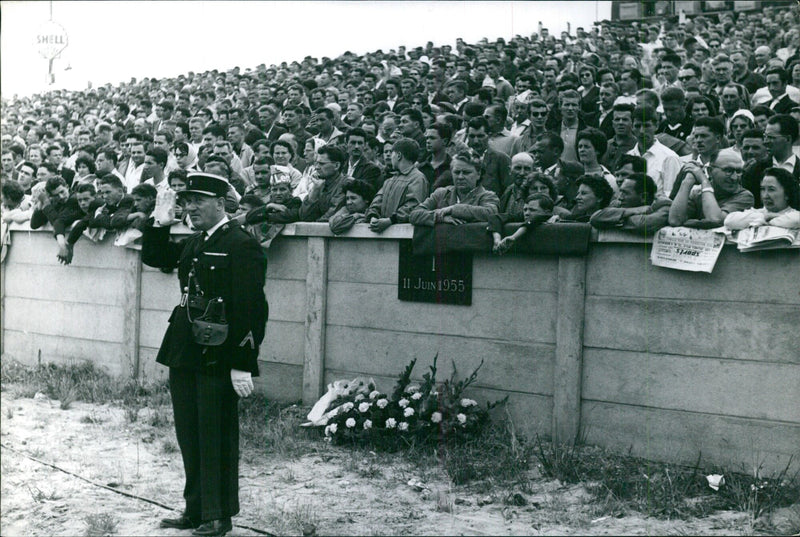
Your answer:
<point x="683" y="248"/>
<point x="752" y="239"/>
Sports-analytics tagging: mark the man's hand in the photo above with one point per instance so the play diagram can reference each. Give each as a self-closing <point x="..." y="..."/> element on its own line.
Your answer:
<point x="64" y="255"/>
<point x="164" y="212"/>
<point x="378" y="225"/>
<point x="66" y="259"/>
<point x="242" y="382"/>
<point x="504" y="245"/>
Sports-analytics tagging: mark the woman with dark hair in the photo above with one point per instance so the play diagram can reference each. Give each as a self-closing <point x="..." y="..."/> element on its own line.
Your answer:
<point x="358" y="195"/>
<point x="594" y="193"/>
<point x="590" y="146"/>
<point x="780" y="195"/>
<point x="84" y="165"/>
<point x="700" y="106"/>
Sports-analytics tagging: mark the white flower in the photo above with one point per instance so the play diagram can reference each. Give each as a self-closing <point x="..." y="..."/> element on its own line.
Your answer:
<point x="416" y="396"/>
<point x="468" y="402"/>
<point x="403" y="403"/>
<point x="359" y="397"/>
<point x="715" y="481"/>
<point x="390" y="423"/>
<point x="436" y="417"/>
<point x="367" y="424"/>
<point x="382" y="403"/>
<point x="363" y="407"/>
<point x="332" y="428"/>
<point x="373" y="394"/>
<point x="403" y="426"/>
<point x="333" y="412"/>
<point x="347" y="407"/>
<point x="350" y="423"/>
<point x="462" y="419"/>
<point x="411" y="388"/>
<point x="408" y="412"/>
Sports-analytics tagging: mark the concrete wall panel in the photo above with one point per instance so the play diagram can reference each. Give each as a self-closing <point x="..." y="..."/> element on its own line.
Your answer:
<point x="762" y="332"/>
<point x="765" y="391"/>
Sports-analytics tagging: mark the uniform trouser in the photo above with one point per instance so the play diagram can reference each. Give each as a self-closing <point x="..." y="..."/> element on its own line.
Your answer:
<point x="207" y="427"/>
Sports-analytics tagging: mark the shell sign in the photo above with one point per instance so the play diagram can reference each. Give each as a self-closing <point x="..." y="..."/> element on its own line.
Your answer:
<point x="51" y="39"/>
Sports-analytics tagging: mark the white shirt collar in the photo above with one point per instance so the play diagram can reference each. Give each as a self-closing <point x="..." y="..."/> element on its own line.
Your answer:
<point x="787" y="164"/>
<point x="215" y="227"/>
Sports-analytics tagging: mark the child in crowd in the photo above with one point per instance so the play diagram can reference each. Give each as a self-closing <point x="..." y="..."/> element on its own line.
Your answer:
<point x="248" y="203"/>
<point x="281" y="207"/>
<point x="357" y="197"/>
<point x="538" y="209"/>
<point x="144" y="201"/>
<point x="270" y="218"/>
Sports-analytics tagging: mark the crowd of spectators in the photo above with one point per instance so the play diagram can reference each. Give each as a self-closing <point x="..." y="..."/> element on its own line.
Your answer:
<point x="632" y="126"/>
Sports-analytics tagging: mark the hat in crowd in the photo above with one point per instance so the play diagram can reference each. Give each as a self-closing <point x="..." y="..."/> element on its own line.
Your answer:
<point x="206" y="184"/>
<point x="525" y="97"/>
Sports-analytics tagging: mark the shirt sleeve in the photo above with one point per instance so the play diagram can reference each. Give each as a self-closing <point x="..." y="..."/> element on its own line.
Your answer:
<point x="424" y="214"/>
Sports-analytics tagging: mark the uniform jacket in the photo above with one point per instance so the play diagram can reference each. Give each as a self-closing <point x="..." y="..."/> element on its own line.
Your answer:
<point x="231" y="265"/>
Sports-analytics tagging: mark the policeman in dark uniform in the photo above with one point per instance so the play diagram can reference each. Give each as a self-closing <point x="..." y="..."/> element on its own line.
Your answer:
<point x="210" y="346"/>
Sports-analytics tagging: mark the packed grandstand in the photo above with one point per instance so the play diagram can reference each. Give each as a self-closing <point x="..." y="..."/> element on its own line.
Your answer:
<point x="675" y="121"/>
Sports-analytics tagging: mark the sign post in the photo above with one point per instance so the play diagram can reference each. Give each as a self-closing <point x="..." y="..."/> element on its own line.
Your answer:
<point x="51" y="39"/>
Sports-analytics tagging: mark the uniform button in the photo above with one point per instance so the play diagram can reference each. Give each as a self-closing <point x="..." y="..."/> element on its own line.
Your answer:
<point x="195" y="260"/>
<point x="212" y="267"/>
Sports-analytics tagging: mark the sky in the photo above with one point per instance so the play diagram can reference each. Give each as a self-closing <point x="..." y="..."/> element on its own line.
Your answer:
<point x="112" y="41"/>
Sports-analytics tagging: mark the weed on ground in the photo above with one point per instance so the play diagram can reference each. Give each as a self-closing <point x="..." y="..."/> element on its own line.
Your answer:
<point x="101" y="525"/>
<point x="662" y="490"/>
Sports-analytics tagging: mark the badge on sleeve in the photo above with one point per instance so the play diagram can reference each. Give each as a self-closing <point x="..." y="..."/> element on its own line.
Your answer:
<point x="249" y="337"/>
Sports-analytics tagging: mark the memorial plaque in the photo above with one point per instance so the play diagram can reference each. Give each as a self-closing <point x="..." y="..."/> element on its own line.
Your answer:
<point x="440" y="279"/>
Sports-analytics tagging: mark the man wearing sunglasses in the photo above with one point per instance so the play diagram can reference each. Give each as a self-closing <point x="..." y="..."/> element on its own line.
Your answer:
<point x="537" y="117"/>
<point x="707" y="194"/>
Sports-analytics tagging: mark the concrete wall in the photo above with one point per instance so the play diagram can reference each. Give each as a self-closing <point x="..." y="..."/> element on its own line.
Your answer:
<point x="666" y="363"/>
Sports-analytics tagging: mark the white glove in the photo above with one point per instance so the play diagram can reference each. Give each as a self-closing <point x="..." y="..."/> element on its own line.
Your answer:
<point x="164" y="212"/>
<point x="242" y="382"/>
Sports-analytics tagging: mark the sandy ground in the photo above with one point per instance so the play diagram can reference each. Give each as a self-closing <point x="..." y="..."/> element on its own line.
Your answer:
<point x="331" y="492"/>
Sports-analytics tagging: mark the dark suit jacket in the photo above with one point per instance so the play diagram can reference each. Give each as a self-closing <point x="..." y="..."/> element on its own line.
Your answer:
<point x="230" y="265"/>
<point x="784" y="105"/>
<point x="369" y="172"/>
<point x="495" y="172"/>
<point x="59" y="215"/>
<point x="752" y="176"/>
<point x="275" y="132"/>
<point x="607" y="126"/>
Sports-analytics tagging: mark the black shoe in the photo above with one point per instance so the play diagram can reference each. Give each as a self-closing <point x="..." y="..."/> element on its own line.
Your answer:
<point x="183" y="522"/>
<point x="214" y="528"/>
